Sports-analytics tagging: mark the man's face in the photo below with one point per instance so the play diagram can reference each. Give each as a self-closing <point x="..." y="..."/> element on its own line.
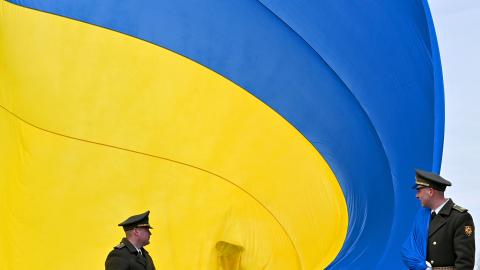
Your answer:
<point x="424" y="195"/>
<point x="143" y="235"/>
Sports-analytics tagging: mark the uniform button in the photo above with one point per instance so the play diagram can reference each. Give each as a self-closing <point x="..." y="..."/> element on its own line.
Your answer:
<point x="434" y="243"/>
<point x="432" y="261"/>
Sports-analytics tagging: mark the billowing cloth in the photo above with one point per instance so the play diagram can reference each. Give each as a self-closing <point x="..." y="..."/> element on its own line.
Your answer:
<point x="286" y="130"/>
<point x="414" y="249"/>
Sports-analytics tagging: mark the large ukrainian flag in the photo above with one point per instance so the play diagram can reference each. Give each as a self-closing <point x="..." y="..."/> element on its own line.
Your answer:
<point x="260" y="134"/>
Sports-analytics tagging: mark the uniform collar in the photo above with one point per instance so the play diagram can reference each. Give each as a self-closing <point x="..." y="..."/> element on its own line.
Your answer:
<point x="447" y="208"/>
<point x="439" y="208"/>
<point x="129" y="246"/>
<point x="441" y="218"/>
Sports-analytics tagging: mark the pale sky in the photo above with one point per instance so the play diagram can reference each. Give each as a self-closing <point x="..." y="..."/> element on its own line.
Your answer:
<point x="457" y="23"/>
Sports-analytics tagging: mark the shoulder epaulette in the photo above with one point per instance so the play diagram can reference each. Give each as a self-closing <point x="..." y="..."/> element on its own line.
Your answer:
<point x="121" y="245"/>
<point x="459" y="208"/>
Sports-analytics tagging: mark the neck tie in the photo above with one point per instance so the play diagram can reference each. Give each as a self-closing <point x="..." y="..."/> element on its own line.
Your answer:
<point x="432" y="215"/>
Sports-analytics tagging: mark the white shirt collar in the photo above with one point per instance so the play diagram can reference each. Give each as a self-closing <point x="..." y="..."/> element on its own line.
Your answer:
<point x="437" y="210"/>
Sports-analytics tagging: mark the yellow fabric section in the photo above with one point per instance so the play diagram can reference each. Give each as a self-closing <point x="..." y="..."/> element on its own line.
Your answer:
<point x="229" y="255"/>
<point x="96" y="126"/>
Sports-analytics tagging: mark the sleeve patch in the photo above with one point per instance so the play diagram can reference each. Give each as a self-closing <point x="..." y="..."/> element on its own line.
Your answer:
<point x="468" y="230"/>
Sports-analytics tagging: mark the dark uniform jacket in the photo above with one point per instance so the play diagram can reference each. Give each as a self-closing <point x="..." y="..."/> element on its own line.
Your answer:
<point x="125" y="257"/>
<point x="451" y="238"/>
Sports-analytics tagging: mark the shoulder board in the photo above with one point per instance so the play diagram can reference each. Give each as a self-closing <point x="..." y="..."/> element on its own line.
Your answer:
<point x="121" y="245"/>
<point x="459" y="208"/>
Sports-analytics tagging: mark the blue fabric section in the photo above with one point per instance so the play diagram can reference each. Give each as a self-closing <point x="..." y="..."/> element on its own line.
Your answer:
<point x="390" y="71"/>
<point x="438" y="93"/>
<point x="356" y="78"/>
<point x="414" y="249"/>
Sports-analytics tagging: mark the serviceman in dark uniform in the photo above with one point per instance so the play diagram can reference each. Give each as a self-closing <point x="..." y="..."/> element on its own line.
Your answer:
<point x="451" y="233"/>
<point x="130" y="254"/>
